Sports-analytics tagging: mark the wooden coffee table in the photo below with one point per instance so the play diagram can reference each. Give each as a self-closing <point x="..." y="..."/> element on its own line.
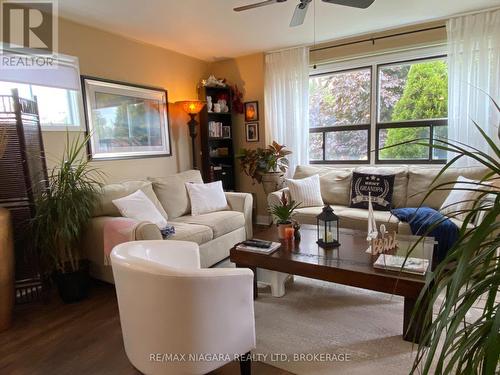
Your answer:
<point x="348" y="265"/>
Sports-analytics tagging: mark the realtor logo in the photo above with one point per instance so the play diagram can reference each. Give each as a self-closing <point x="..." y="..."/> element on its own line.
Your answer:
<point x="29" y="33"/>
<point x="28" y="25"/>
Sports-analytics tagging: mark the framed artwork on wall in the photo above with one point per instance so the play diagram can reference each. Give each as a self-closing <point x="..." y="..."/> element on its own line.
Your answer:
<point x="252" y="131"/>
<point x="125" y="120"/>
<point x="251" y="111"/>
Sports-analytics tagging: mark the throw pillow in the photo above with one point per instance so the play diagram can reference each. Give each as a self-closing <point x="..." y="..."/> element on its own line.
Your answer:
<point x="139" y="207"/>
<point x="380" y="186"/>
<point x="461" y="200"/>
<point x="206" y="198"/>
<point x="306" y="191"/>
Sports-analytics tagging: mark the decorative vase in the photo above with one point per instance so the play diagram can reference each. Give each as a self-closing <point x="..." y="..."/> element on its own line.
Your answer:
<point x="209" y="103"/>
<point x="6" y="270"/>
<point x="282" y="229"/>
<point x="272" y="181"/>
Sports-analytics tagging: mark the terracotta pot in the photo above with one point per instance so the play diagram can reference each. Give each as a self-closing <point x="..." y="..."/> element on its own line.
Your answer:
<point x="6" y="270"/>
<point x="272" y="181"/>
<point x="281" y="230"/>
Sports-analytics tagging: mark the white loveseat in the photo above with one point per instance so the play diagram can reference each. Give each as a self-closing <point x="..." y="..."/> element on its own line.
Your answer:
<point x="215" y="232"/>
<point x="410" y="186"/>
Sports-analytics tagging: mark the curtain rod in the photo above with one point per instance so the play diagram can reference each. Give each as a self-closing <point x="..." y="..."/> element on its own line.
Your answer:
<point x="378" y="38"/>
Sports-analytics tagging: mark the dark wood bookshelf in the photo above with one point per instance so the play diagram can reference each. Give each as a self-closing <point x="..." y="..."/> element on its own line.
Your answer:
<point x="217" y="153"/>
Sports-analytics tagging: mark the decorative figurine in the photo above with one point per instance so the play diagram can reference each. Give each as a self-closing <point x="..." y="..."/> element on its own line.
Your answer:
<point x="296" y="233"/>
<point x="209" y="103"/>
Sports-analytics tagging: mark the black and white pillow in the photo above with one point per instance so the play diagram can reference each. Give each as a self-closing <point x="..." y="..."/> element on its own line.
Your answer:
<point x="381" y="189"/>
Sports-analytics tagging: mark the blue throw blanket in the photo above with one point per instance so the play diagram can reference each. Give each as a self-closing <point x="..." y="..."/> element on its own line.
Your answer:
<point x="422" y="218"/>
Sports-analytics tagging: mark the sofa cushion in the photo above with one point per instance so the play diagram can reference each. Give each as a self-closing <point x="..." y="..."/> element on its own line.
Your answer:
<point x="191" y="232"/>
<point x="357" y="218"/>
<point x="420" y="180"/>
<point x="172" y="193"/>
<point x="105" y="206"/>
<point x="400" y="189"/>
<point x="220" y="222"/>
<point x="404" y="227"/>
<point x="307" y="215"/>
<point x="305" y="191"/>
<point x="335" y="182"/>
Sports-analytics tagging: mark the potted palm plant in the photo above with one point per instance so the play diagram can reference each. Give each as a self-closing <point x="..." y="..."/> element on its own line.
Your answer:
<point x="456" y="341"/>
<point x="282" y="214"/>
<point x="266" y="166"/>
<point x="62" y="212"/>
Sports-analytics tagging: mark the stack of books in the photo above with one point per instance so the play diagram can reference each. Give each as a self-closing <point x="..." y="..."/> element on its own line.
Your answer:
<point x="215" y="129"/>
<point x="259" y="246"/>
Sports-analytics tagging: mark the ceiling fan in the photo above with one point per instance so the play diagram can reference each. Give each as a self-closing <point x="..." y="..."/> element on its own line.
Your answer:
<point x="300" y="11"/>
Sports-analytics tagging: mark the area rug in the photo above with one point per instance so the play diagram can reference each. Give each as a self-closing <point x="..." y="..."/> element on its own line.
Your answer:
<point x="324" y="328"/>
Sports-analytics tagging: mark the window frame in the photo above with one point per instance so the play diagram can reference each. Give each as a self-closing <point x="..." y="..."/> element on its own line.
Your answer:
<point x="428" y="123"/>
<point x="339" y="128"/>
<point x="375" y="61"/>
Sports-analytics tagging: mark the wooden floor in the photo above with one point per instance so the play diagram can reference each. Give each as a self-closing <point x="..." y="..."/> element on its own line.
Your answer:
<point x="83" y="338"/>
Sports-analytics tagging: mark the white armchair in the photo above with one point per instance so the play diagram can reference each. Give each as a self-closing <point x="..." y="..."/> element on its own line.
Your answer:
<point x="177" y="318"/>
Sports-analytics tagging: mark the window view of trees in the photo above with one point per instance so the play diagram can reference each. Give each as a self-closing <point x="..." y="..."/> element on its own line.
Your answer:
<point x="417" y="91"/>
<point x="340" y="111"/>
<point x="340" y="99"/>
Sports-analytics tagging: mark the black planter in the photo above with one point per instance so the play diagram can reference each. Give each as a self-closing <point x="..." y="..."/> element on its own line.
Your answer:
<point x="73" y="286"/>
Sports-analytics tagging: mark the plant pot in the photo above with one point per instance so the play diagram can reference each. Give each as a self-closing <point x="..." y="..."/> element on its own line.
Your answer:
<point x="73" y="286"/>
<point x="272" y="181"/>
<point x="281" y="230"/>
<point x="6" y="270"/>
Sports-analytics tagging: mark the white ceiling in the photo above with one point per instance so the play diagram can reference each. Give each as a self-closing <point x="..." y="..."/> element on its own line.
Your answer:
<point x="211" y="30"/>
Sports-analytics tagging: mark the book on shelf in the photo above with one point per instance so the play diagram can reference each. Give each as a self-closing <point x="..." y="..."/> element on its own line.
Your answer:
<point x="398" y="263"/>
<point x="258" y="246"/>
<point x="215" y="129"/>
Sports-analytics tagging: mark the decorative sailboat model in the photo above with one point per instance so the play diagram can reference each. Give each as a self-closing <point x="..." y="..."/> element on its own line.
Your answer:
<point x="386" y="241"/>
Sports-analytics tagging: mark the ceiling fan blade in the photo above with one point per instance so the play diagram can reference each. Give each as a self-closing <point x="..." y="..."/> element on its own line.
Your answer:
<point x="257" y="5"/>
<point x="363" y="4"/>
<point x="300" y="13"/>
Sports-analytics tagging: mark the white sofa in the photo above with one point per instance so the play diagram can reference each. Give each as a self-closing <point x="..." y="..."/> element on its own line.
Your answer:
<point x="168" y="305"/>
<point x="215" y="233"/>
<point x="410" y="186"/>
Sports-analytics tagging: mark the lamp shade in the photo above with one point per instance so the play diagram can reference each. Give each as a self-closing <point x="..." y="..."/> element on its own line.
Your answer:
<point x="191" y="107"/>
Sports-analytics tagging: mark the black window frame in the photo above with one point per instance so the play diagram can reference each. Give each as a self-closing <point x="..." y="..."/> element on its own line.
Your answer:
<point x="378" y="126"/>
<point x="429" y="123"/>
<point x="340" y="128"/>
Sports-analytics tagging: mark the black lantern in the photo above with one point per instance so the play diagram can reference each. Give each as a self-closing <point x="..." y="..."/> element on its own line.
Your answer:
<point x="328" y="228"/>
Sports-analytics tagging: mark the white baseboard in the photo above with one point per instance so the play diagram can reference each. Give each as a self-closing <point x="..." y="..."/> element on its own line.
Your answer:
<point x="263" y="220"/>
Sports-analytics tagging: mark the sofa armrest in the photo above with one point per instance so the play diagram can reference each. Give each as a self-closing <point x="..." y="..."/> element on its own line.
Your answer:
<point x="93" y="238"/>
<point x="242" y="202"/>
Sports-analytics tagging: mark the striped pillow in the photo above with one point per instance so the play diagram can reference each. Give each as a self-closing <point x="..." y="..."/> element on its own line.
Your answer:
<point x="306" y="191"/>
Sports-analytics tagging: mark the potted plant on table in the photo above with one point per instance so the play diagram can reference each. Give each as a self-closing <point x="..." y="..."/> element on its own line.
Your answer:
<point x="62" y="212"/>
<point x="282" y="214"/>
<point x="266" y="165"/>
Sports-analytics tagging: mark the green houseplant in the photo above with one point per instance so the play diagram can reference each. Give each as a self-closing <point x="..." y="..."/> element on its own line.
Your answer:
<point x="282" y="214"/>
<point x="62" y="212"/>
<point x="265" y="165"/>
<point x="457" y="341"/>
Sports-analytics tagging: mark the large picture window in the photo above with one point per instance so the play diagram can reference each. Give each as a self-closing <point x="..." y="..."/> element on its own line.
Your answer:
<point x="376" y="107"/>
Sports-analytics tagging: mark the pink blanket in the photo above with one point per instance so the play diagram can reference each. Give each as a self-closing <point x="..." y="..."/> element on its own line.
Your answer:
<point x="117" y="231"/>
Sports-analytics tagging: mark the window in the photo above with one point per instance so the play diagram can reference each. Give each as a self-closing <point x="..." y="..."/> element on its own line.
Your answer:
<point x="412" y="104"/>
<point x="57" y="91"/>
<point x="340" y="115"/>
<point x="373" y="108"/>
<point x="57" y="107"/>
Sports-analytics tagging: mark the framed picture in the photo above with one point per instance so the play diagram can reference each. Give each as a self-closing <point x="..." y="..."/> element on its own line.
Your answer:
<point x="251" y="111"/>
<point x="252" y="131"/>
<point x="125" y="120"/>
<point x="226" y="132"/>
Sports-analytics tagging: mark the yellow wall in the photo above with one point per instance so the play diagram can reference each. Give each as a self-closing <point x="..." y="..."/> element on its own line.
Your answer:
<point x="248" y="73"/>
<point x="110" y="56"/>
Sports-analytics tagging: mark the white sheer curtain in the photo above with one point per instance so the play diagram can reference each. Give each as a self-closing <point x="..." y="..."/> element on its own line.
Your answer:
<point x="287" y="102"/>
<point x="474" y="68"/>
